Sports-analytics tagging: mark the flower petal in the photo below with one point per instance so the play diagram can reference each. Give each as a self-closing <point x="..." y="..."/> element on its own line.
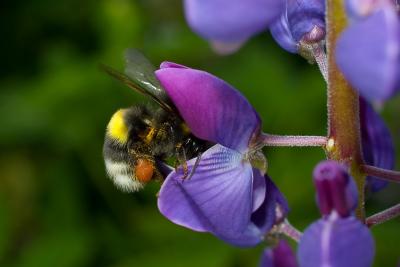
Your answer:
<point x="231" y="21"/>
<point x="368" y="54"/>
<point x="336" y="189"/>
<point x="282" y="34"/>
<point x="265" y="216"/>
<point x="213" y="109"/>
<point x="304" y="15"/>
<point x="279" y="256"/>
<point x="377" y="143"/>
<point x="336" y="242"/>
<point x="259" y="189"/>
<point x="217" y="198"/>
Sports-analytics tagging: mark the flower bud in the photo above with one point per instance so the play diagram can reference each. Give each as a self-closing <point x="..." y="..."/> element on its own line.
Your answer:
<point x="279" y="256"/>
<point x="336" y="191"/>
<point x="302" y="24"/>
<point x="304" y="16"/>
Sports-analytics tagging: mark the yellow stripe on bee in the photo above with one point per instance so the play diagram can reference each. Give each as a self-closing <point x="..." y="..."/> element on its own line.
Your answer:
<point x="117" y="128"/>
<point x="150" y="135"/>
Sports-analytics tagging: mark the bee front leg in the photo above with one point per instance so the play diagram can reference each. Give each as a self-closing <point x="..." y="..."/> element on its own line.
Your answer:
<point x="196" y="163"/>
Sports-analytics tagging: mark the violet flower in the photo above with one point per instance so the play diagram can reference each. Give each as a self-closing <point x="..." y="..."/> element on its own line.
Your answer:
<point x="302" y="21"/>
<point x="279" y="256"/>
<point x="226" y="195"/>
<point x="229" y="23"/>
<point x="338" y="239"/>
<point x="368" y="51"/>
<point x="377" y="144"/>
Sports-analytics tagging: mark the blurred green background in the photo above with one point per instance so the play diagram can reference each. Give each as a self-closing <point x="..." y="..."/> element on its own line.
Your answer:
<point x="58" y="208"/>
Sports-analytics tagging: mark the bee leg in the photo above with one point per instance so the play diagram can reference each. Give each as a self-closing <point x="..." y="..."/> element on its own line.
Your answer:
<point x="184" y="165"/>
<point x="196" y="164"/>
<point x="181" y="160"/>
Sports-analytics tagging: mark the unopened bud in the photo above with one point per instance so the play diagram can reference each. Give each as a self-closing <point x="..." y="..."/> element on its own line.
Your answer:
<point x="336" y="190"/>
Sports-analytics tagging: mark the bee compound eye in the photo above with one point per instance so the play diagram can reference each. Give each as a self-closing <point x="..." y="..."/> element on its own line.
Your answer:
<point x="144" y="170"/>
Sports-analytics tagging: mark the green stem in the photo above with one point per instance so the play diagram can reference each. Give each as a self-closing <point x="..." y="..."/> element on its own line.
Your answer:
<point x="343" y="107"/>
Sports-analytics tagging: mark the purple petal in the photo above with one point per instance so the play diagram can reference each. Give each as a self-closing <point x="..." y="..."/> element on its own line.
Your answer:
<point x="213" y="109"/>
<point x="368" y="54"/>
<point x="357" y="9"/>
<point x="279" y="256"/>
<point x="222" y="48"/>
<point x="168" y="64"/>
<point x="259" y="189"/>
<point x="336" y="242"/>
<point x="282" y="34"/>
<point x="231" y="21"/>
<point x="336" y="190"/>
<point x="304" y="15"/>
<point x="265" y="216"/>
<point x="377" y="143"/>
<point x="217" y="198"/>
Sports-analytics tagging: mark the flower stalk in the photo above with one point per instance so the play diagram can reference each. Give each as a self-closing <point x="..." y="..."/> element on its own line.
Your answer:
<point x="292" y="140"/>
<point x="384" y="174"/>
<point x="290" y="231"/>
<point x="343" y="107"/>
<point x="383" y="216"/>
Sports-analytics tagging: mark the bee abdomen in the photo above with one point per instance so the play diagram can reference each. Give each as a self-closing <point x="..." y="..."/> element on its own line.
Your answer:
<point x="122" y="175"/>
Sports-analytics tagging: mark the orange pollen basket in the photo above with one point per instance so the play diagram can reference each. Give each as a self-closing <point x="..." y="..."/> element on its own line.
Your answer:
<point x="144" y="170"/>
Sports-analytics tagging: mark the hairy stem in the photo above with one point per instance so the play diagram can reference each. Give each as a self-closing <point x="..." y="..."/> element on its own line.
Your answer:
<point x="383" y="216"/>
<point x="292" y="140"/>
<point x="287" y="229"/>
<point x="320" y="57"/>
<point x="384" y="174"/>
<point x="343" y="106"/>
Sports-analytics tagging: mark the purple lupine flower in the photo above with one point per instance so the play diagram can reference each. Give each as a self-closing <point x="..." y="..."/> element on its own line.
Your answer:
<point x="225" y="196"/>
<point x="302" y="21"/>
<point x="338" y="239"/>
<point x="377" y="143"/>
<point x="279" y="256"/>
<point x="231" y="22"/>
<point x="368" y="51"/>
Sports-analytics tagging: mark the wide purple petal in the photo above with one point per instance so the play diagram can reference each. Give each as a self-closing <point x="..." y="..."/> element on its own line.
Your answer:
<point x="282" y="34"/>
<point x="231" y="21"/>
<point x="336" y="242"/>
<point x="279" y="256"/>
<point x="368" y="54"/>
<point x="217" y="198"/>
<point x="377" y="143"/>
<point x="264" y="217"/>
<point x="213" y="109"/>
<point x="304" y="15"/>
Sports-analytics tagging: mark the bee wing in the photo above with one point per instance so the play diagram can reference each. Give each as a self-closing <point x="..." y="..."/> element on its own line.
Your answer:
<point x="140" y="69"/>
<point x="139" y="76"/>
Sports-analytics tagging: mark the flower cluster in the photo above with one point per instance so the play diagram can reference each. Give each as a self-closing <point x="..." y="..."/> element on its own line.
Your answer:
<point x="231" y="197"/>
<point x="228" y="192"/>
<point x="226" y="195"/>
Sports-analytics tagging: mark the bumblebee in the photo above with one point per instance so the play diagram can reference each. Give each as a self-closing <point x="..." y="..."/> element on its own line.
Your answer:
<point x="140" y="139"/>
